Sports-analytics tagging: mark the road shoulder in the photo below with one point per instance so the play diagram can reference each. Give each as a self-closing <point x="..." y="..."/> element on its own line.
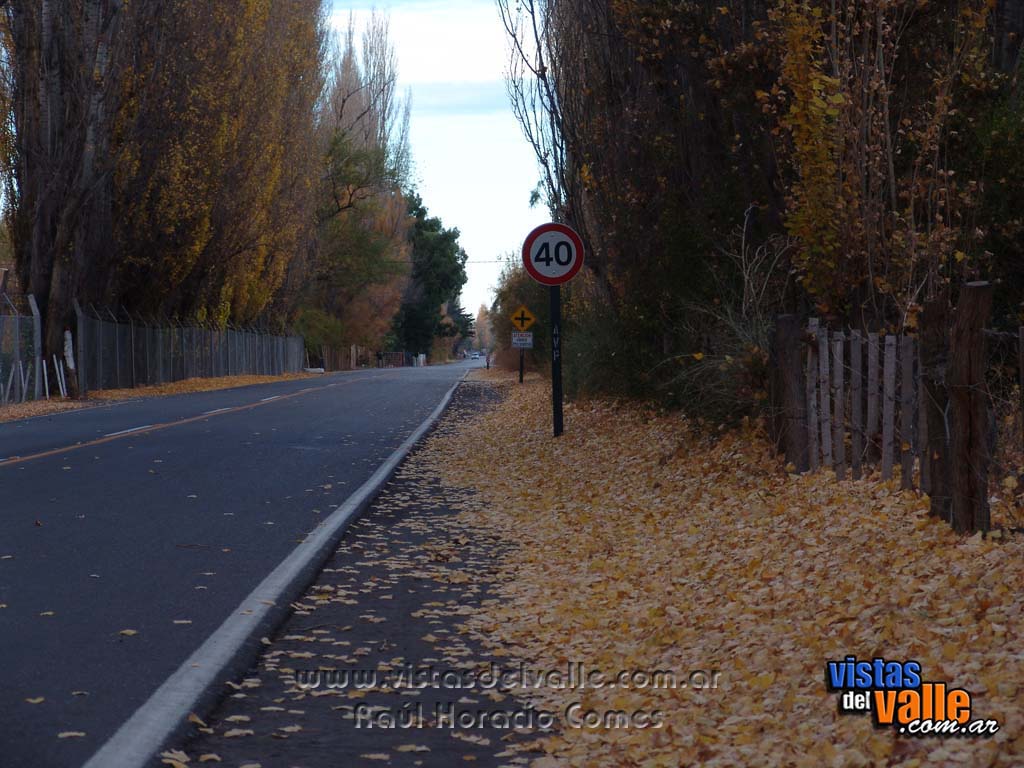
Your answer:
<point x="390" y="602"/>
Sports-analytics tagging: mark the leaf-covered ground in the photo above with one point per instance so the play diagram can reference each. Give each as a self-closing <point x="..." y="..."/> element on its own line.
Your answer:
<point x="33" y="408"/>
<point x="194" y="385"/>
<point x="630" y="543"/>
<point x="637" y="545"/>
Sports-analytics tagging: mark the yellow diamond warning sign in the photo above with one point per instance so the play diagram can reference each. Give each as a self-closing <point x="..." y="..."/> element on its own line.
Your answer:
<point x="522" y="318"/>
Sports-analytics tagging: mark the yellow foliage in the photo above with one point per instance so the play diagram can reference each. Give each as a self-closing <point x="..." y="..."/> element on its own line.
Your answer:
<point x="811" y="121"/>
<point x="214" y="146"/>
<point x="630" y="544"/>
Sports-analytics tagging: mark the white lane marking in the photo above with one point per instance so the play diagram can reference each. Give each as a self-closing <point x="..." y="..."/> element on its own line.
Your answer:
<point x="126" y="431"/>
<point x="215" y="410"/>
<point x="267" y="399"/>
<point x="137" y="740"/>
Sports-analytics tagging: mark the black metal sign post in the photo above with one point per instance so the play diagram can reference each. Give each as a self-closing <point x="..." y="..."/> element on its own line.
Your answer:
<point x="556" y="357"/>
<point x="522" y="355"/>
<point x="552" y="255"/>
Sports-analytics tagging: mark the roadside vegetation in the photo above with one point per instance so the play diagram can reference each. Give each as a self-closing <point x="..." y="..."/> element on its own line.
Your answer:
<point x="203" y="161"/>
<point x="726" y="162"/>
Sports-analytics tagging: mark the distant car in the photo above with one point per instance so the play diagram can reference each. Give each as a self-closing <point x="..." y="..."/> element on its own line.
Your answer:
<point x="476" y="356"/>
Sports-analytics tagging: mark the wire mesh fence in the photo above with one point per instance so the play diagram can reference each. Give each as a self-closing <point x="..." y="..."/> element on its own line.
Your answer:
<point x="116" y="350"/>
<point x="21" y="359"/>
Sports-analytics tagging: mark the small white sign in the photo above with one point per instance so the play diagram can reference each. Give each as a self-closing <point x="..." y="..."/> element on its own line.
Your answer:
<point x="522" y="339"/>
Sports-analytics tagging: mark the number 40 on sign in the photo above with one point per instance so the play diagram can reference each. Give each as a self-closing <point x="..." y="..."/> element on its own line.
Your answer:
<point x="552" y="255"/>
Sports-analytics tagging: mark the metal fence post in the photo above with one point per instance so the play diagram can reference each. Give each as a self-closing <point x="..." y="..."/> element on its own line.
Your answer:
<point x="99" y="347"/>
<point x="37" y="341"/>
<point x="16" y="360"/>
<point x="3" y="279"/>
<point x="83" y="381"/>
<point x="159" y="354"/>
<point x="131" y="344"/>
<point x="117" y="349"/>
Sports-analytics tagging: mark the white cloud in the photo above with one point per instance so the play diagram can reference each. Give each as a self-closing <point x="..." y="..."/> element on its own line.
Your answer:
<point x="441" y="41"/>
<point x="463" y="98"/>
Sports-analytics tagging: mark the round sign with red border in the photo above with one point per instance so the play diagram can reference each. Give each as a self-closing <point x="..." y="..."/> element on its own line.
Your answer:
<point x="553" y="254"/>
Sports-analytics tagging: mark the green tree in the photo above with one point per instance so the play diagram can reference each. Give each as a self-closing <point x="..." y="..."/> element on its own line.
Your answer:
<point x="359" y="264"/>
<point x="438" y="274"/>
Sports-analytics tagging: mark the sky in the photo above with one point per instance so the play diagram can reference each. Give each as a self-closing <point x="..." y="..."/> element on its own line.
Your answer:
<point x="473" y="167"/>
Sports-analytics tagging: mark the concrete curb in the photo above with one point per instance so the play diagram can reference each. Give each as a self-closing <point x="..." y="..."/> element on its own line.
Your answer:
<point x="233" y="647"/>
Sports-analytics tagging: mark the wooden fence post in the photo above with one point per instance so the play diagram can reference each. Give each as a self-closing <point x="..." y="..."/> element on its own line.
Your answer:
<point x="922" y="422"/>
<point x="971" y="421"/>
<point x="934" y="364"/>
<point x="790" y="389"/>
<point x="888" y="405"/>
<point x="907" y="412"/>
<point x="824" y="412"/>
<point x="856" y="406"/>
<point x="871" y="430"/>
<point x="1020" y="381"/>
<point x="838" y="400"/>
<point x="810" y="378"/>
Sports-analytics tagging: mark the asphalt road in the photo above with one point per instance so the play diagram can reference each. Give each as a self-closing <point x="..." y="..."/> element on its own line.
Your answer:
<point x="163" y="529"/>
<point x="389" y="590"/>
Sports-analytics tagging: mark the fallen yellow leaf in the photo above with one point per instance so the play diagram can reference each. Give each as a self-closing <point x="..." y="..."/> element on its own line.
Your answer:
<point x="175" y="758"/>
<point x="194" y="718"/>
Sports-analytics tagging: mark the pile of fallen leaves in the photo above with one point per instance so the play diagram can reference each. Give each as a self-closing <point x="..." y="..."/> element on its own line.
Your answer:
<point x="193" y="385"/>
<point x="33" y="408"/>
<point x="638" y="545"/>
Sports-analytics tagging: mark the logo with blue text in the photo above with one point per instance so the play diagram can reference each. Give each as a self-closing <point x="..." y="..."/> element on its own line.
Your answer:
<point x="896" y="696"/>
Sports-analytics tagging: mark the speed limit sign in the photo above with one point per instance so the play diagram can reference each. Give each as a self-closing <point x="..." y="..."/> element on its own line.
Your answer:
<point x="553" y="254"/>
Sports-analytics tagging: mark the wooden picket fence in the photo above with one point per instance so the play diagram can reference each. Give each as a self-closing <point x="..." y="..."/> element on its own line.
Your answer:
<point x="863" y="405"/>
<point x="854" y="402"/>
